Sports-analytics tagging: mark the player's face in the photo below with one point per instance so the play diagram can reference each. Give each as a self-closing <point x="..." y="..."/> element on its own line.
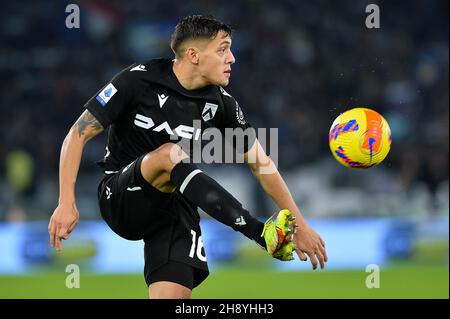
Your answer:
<point x="216" y="60"/>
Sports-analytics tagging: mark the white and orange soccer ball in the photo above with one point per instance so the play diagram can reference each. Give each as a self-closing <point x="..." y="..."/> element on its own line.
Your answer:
<point x="360" y="138"/>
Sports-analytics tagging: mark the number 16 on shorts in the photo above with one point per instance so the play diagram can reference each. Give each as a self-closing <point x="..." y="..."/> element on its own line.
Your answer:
<point x="196" y="247"/>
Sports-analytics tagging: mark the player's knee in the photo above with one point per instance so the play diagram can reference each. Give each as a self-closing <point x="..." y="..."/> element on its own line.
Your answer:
<point x="157" y="166"/>
<point x="168" y="290"/>
<point x="170" y="154"/>
<point x="169" y="295"/>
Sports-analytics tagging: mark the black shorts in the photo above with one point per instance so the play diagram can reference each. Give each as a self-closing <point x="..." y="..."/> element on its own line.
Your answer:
<point x="167" y="222"/>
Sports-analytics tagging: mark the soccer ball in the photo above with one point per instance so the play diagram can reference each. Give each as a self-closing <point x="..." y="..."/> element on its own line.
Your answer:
<point x="360" y="138"/>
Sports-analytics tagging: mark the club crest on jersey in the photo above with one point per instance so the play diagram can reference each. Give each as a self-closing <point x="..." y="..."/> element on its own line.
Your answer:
<point x="106" y="94"/>
<point x="209" y="111"/>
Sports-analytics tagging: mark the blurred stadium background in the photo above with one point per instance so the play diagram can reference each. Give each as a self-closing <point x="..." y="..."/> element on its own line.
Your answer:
<point x="299" y="65"/>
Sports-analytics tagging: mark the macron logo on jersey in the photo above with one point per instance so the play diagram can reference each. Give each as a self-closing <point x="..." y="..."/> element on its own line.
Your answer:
<point x="139" y="67"/>
<point x="106" y="94"/>
<point x="162" y="99"/>
<point x="240" y="221"/>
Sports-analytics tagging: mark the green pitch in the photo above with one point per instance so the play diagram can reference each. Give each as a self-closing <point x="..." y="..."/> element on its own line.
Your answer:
<point x="395" y="282"/>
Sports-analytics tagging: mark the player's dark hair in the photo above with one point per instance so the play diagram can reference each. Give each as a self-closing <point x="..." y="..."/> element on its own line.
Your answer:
<point x="197" y="27"/>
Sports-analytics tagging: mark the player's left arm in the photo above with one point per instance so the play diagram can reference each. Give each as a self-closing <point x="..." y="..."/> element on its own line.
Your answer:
<point x="306" y="240"/>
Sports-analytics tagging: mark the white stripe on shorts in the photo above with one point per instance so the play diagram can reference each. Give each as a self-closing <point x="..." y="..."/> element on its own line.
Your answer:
<point x="188" y="179"/>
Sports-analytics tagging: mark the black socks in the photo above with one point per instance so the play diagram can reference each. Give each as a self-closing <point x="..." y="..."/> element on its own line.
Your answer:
<point x="207" y="194"/>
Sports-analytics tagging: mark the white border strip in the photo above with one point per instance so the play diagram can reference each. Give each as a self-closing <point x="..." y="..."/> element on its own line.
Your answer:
<point x="188" y="179"/>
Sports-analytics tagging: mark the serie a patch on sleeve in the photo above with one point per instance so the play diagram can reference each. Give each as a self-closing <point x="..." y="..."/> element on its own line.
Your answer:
<point x="106" y="94"/>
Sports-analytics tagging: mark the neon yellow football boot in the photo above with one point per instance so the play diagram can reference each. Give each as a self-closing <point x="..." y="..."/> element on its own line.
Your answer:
<point x="278" y="233"/>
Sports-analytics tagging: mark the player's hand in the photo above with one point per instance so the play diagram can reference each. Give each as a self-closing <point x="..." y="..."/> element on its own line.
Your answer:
<point x="308" y="242"/>
<point x="63" y="221"/>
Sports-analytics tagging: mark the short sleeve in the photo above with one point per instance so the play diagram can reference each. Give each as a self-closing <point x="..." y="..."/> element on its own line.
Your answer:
<point x="108" y="103"/>
<point x="233" y="119"/>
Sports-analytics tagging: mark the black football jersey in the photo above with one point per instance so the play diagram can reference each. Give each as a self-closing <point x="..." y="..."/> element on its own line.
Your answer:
<point x="145" y="106"/>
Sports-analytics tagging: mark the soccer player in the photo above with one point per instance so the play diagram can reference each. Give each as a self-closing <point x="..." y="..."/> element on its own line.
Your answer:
<point x="147" y="192"/>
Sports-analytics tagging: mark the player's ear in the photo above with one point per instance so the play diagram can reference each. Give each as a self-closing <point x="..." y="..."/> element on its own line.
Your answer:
<point x="192" y="54"/>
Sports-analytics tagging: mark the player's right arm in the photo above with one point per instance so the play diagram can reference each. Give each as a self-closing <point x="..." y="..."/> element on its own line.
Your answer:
<point x="65" y="217"/>
<point x="103" y="109"/>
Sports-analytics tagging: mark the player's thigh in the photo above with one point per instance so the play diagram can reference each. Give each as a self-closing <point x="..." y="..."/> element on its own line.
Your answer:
<point x="168" y="290"/>
<point x="175" y="253"/>
<point x="131" y="206"/>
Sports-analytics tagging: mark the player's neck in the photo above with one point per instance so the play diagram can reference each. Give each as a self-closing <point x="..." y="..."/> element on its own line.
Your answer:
<point x="188" y="78"/>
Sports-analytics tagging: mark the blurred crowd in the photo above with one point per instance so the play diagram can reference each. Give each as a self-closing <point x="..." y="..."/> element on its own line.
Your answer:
<point x="299" y="65"/>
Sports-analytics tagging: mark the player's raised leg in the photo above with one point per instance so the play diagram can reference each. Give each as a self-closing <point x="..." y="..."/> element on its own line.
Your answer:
<point x="165" y="169"/>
